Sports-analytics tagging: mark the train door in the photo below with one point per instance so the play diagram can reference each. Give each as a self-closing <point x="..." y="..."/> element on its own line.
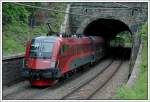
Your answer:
<point x="93" y="48"/>
<point x="64" y="58"/>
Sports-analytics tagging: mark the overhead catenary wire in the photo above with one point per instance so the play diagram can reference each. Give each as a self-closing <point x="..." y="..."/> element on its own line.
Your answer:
<point x="54" y="10"/>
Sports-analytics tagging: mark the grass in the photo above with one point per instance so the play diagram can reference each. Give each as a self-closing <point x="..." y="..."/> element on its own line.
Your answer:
<point x="12" y="46"/>
<point x="140" y="89"/>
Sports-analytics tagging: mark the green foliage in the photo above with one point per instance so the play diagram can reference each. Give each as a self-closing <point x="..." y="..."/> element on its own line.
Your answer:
<point x="56" y="19"/>
<point x="144" y="31"/>
<point x="10" y="46"/>
<point x="12" y="13"/>
<point x="17" y="31"/>
<point x="17" y="34"/>
<point x="140" y="88"/>
<point x="126" y="35"/>
<point x="123" y="38"/>
<point x="138" y="91"/>
<point x="39" y="30"/>
<point x="144" y="36"/>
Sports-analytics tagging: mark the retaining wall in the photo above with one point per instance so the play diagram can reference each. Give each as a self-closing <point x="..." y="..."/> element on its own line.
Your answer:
<point x="11" y="69"/>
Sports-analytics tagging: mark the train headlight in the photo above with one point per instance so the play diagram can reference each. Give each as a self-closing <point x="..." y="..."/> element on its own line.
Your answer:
<point x="24" y="64"/>
<point x="53" y="63"/>
<point x="24" y="71"/>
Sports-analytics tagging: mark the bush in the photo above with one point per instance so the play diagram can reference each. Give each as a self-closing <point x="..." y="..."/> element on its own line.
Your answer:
<point x="12" y="13"/>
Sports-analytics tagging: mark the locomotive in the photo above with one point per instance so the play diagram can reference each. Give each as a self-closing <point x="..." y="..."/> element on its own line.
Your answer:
<point x="48" y="58"/>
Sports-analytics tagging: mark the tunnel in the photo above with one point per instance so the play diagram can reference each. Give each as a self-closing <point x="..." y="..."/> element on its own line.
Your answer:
<point x="109" y="29"/>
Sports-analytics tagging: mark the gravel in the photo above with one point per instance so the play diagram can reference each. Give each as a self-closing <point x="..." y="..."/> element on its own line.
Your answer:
<point x="119" y="79"/>
<point x="89" y="89"/>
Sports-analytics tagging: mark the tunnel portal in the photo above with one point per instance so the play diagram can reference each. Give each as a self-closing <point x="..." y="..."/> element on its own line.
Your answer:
<point x="109" y="29"/>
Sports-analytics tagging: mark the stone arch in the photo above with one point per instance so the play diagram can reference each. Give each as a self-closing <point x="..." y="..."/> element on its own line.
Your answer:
<point x="107" y="27"/>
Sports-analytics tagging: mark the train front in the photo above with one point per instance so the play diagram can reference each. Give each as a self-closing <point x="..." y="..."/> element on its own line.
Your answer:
<point x="40" y="63"/>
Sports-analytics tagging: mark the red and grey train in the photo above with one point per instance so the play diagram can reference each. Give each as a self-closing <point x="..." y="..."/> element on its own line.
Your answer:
<point x="48" y="58"/>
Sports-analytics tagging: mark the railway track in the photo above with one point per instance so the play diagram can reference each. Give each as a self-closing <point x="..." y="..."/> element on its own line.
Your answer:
<point x="91" y="87"/>
<point x="28" y="92"/>
<point x="87" y="90"/>
<point x="82" y="85"/>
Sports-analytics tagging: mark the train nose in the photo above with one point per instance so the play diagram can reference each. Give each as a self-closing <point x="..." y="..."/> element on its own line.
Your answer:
<point x="41" y="69"/>
<point x="40" y="64"/>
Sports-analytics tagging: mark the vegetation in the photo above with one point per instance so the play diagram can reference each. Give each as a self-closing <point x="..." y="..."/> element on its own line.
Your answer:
<point x="140" y="88"/>
<point x="21" y="23"/>
<point x="123" y="38"/>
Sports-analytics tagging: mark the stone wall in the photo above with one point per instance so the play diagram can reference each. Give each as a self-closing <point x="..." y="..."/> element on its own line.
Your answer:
<point x="11" y="69"/>
<point x="130" y="15"/>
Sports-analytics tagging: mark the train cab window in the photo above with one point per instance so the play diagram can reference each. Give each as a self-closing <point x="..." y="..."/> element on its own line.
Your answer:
<point x="40" y="49"/>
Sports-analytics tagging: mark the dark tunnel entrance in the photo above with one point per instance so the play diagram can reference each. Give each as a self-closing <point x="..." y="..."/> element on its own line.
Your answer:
<point x="116" y="33"/>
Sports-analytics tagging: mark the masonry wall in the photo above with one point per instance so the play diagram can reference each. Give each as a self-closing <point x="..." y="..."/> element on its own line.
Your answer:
<point x="11" y="69"/>
<point x="125" y="14"/>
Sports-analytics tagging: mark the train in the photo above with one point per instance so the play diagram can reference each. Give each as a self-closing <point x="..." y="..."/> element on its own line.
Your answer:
<point x="48" y="58"/>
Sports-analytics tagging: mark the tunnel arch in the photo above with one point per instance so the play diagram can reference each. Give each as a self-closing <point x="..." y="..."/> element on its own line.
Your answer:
<point x="107" y="27"/>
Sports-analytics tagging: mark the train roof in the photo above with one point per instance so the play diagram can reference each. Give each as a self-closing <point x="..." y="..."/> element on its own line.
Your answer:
<point x="46" y="38"/>
<point x="69" y="40"/>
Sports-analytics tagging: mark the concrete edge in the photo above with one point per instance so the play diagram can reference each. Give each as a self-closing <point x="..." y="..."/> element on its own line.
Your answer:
<point x="136" y="70"/>
<point x="20" y="55"/>
<point x="65" y="25"/>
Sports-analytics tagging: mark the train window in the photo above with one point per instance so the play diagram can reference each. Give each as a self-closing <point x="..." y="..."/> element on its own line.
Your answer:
<point x="63" y="49"/>
<point x="76" y="49"/>
<point x="41" y="49"/>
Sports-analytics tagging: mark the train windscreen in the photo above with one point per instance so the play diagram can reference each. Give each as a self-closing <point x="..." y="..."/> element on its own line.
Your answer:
<point x="41" y="49"/>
